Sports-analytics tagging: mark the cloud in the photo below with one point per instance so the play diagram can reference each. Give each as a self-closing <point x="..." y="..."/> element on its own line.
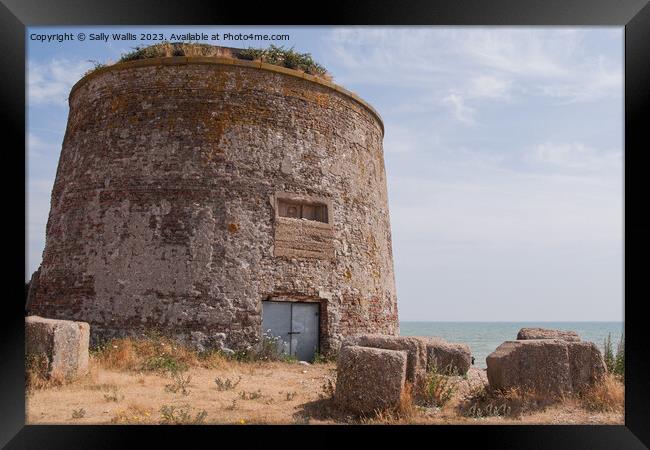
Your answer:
<point x="470" y="67"/>
<point x="38" y="147"/>
<point x="575" y="157"/>
<point x="38" y="208"/>
<point x="488" y="207"/>
<point x="484" y="86"/>
<point x="50" y="82"/>
<point x="461" y="112"/>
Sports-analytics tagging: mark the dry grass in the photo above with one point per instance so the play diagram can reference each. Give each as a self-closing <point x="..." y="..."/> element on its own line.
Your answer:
<point x="134" y="413"/>
<point x="148" y="354"/>
<point x="119" y="390"/>
<point x="157" y="381"/>
<point x="606" y="395"/>
<point x="36" y="377"/>
<point x="513" y="403"/>
<point x="405" y="411"/>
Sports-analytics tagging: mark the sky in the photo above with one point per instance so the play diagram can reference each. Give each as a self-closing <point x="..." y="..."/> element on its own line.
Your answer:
<point x="503" y="150"/>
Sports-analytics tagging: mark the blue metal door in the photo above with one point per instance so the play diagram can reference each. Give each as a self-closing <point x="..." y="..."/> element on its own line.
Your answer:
<point x="294" y="325"/>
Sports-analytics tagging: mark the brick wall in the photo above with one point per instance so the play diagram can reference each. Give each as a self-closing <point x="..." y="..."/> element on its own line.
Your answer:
<point x="163" y="214"/>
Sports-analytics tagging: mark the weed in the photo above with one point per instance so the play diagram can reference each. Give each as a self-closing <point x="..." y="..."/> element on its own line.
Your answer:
<point x="164" y="363"/>
<point x="226" y="384"/>
<point x="134" y="414"/>
<point x="281" y="56"/>
<point x="607" y="394"/>
<point x="406" y="407"/>
<point x="112" y="396"/>
<point x="96" y="65"/>
<point x="214" y="359"/>
<point x="291" y="395"/>
<point x="232" y="406"/>
<point x="179" y="383"/>
<point x="36" y="368"/>
<point x="274" y="55"/>
<point x="269" y="348"/>
<point x="78" y="413"/>
<point x="490" y="410"/>
<point x="402" y="412"/>
<point x="290" y="359"/>
<point x="439" y="388"/>
<point x="250" y="395"/>
<point x="514" y="402"/>
<point x="173" y="415"/>
<point x="615" y="361"/>
<point x="148" y="353"/>
<point x="619" y="360"/>
<point x="320" y="358"/>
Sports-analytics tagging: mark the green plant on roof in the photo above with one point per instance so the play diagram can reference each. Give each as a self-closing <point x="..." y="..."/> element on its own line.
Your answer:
<point x="278" y="56"/>
<point x="289" y="58"/>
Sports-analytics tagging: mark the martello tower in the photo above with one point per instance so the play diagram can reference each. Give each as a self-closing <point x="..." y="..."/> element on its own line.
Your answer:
<point x="212" y="198"/>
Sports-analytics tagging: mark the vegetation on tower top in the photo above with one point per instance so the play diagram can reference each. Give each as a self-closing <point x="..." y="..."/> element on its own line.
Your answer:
<point x="278" y="56"/>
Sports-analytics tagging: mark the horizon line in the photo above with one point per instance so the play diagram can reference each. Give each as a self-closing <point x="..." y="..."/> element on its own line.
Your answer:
<point x="510" y="321"/>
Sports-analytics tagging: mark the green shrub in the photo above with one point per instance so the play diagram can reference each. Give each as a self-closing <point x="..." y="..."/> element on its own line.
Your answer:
<point x="288" y="58"/>
<point x="619" y="362"/>
<point x="440" y="386"/>
<point x="164" y="363"/>
<point x="614" y="360"/>
<point x="274" y="55"/>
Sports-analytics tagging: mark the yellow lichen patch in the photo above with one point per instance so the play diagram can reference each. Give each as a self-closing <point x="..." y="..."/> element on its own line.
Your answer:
<point x="347" y="275"/>
<point x="119" y="102"/>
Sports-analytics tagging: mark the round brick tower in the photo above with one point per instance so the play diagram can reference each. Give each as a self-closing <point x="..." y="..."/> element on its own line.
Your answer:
<point x="190" y="190"/>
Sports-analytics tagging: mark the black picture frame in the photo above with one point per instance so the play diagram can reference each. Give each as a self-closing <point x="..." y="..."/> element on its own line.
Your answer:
<point x="16" y="15"/>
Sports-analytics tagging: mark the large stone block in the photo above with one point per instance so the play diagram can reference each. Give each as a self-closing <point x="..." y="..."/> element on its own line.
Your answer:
<point x="586" y="363"/>
<point x="545" y="365"/>
<point x="63" y="342"/>
<point x="448" y="357"/>
<point x="541" y="365"/>
<point x="414" y="347"/>
<point x="547" y="333"/>
<point x="369" y="379"/>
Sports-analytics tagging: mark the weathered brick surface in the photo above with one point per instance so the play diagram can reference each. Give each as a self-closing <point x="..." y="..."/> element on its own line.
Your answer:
<point x="63" y="342"/>
<point x="162" y="212"/>
<point x="369" y="379"/>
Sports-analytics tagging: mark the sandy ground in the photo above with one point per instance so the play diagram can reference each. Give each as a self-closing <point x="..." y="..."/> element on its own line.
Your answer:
<point x="268" y="393"/>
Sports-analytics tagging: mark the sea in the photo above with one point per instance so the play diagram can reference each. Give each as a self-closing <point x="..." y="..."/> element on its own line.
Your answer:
<point x="484" y="337"/>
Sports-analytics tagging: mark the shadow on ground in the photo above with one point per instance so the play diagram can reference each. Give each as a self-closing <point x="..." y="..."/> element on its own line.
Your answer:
<point x="323" y="410"/>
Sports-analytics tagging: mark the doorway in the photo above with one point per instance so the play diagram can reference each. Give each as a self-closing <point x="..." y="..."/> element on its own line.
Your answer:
<point x="295" y="325"/>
